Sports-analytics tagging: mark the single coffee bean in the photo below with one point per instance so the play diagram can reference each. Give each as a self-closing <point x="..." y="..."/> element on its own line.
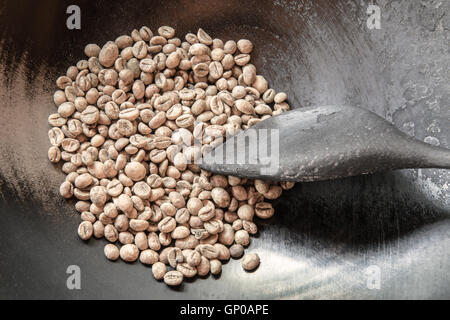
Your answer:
<point x="166" y="32"/>
<point x="108" y="54"/>
<point x="66" y="189"/>
<point x="145" y="33"/>
<point x="153" y="241"/>
<point x="273" y="193"/>
<point x="150" y="257"/>
<point x="239" y="192"/>
<point x="230" y="47"/>
<point x="125" y="127"/>
<point x="250" y="227"/>
<point x="124" y="41"/>
<point x="269" y="96"/>
<point x="216" y="266"/>
<point x="88" y="216"/>
<point x="140" y="50"/>
<point x="238" y="224"/>
<point x="207" y="212"/>
<point x="250" y="261"/>
<point x="215" y="70"/>
<point x="83" y="181"/>
<point x="186" y="270"/>
<point x="173" y="60"/>
<point x="173" y="278"/>
<point x="111" y="252"/>
<point x="264" y="210"/>
<point x="168" y="209"/>
<point x="70" y="145"/>
<point x="287" y="185"/>
<point x="114" y="188"/>
<point x="75" y="127"/>
<point x="66" y="109"/>
<point x="208" y="251"/>
<point x="213" y="226"/>
<point x="221" y="197"/>
<point x="174" y="257"/>
<point x="203" y="37"/>
<point x="124" y="203"/>
<point x="180" y="232"/>
<point x="162" y="143"/>
<point x="211" y="239"/>
<point x="138" y="225"/>
<point x="198" y="49"/>
<point x="177" y="200"/>
<point x="56" y="136"/>
<point x="245" y="46"/>
<point x="263" y="109"/>
<point x="226" y="237"/>
<point x="192" y="257"/>
<point x="121" y="222"/>
<point x="249" y="74"/>
<point x="138" y="204"/>
<point x="244" y="106"/>
<point x="280" y="97"/>
<point x="92" y="50"/>
<point x="242" y="59"/>
<point x="201" y="70"/>
<point x="142" y="190"/>
<point x="96" y="169"/>
<point x="126" y="238"/>
<point x="182" y="216"/>
<point x="130" y="126"/>
<point x="242" y="237"/>
<point x="246" y="212"/>
<point x="158" y="120"/>
<point x="129" y="253"/>
<point x="85" y="230"/>
<point x="140" y="240"/>
<point x="163" y="255"/>
<point x="63" y="82"/>
<point x="90" y="115"/>
<point x="262" y="186"/>
<point x="98" y="195"/>
<point x="185" y="121"/>
<point x="54" y="154"/>
<point x="236" y="251"/>
<point x="199" y="234"/>
<point x="204" y="267"/>
<point x="82" y="206"/>
<point x="81" y="195"/>
<point x="194" y="205"/>
<point x="189" y="242"/>
<point x="260" y="84"/>
<point x="129" y="114"/>
<point x="224" y="253"/>
<point x="135" y="171"/>
<point x="159" y="270"/>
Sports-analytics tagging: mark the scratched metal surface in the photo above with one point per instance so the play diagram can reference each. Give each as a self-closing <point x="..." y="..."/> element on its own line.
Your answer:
<point x="325" y="235"/>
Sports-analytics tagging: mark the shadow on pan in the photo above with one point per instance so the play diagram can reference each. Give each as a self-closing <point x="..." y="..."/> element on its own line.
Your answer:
<point x="356" y="212"/>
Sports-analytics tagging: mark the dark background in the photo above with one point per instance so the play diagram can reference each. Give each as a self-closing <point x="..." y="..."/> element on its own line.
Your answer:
<point x="324" y="235"/>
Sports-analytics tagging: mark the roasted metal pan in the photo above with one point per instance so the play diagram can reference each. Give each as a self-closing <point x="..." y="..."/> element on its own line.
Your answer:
<point x="329" y="239"/>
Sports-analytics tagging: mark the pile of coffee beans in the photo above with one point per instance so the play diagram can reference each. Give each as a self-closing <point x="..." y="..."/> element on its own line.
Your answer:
<point x="131" y="121"/>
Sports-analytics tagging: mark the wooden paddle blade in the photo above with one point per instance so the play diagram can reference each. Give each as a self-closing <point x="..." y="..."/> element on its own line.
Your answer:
<point x="321" y="143"/>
